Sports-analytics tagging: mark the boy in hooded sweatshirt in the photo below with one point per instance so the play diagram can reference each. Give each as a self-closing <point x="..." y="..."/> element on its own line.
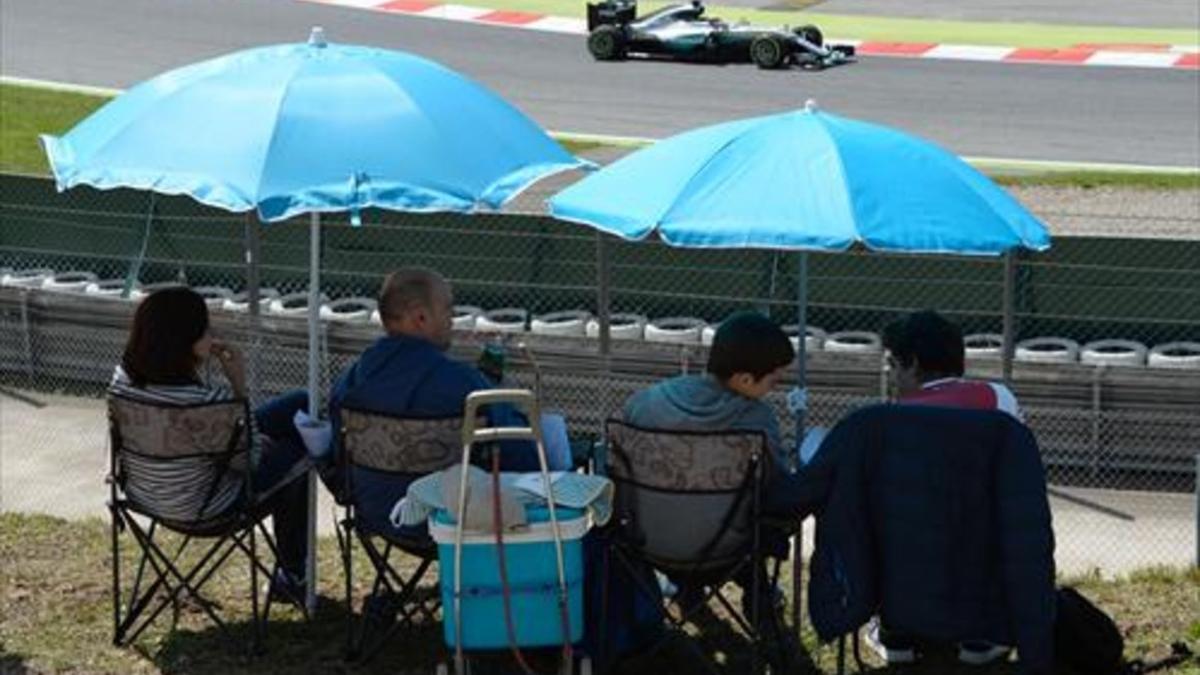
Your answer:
<point x="749" y="355"/>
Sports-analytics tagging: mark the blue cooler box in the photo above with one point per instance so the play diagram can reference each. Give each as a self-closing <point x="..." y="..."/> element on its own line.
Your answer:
<point x="532" y="577"/>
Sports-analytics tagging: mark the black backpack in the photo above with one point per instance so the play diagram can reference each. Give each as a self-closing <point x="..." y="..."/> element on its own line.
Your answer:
<point x="1086" y="640"/>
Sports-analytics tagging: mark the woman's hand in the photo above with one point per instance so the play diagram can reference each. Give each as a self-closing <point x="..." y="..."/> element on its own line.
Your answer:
<point x="232" y="364"/>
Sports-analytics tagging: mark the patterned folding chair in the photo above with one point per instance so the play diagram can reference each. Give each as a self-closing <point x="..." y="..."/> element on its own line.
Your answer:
<point x="183" y="468"/>
<point x="381" y="455"/>
<point x="688" y="505"/>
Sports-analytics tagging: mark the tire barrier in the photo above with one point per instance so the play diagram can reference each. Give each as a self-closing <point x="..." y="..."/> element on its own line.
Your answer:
<point x="69" y="282"/>
<point x="293" y="304"/>
<point x="147" y="289"/>
<point x="1113" y="353"/>
<point x="814" y="338"/>
<point x="707" y="335"/>
<point x="569" y="323"/>
<point x="465" y="317"/>
<point x="503" y="320"/>
<point x="853" y="342"/>
<point x="30" y="278"/>
<point x="1184" y="355"/>
<point x="621" y="326"/>
<point x="349" y="310"/>
<point x="984" y="345"/>
<point x="1047" y="350"/>
<point x="214" y="296"/>
<point x="675" y="330"/>
<point x="113" y="288"/>
<point x="240" y="302"/>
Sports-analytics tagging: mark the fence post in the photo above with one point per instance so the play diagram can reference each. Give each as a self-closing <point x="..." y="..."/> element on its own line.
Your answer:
<point x="1009" y="320"/>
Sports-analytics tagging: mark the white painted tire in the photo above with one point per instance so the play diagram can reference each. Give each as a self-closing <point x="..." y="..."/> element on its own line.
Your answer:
<point x="1047" y="350"/>
<point x="707" y="335"/>
<point x="376" y="318"/>
<point x="1184" y="355"/>
<point x="69" y="282"/>
<point x="465" y="317"/>
<point x="503" y="320"/>
<point x="161" y="285"/>
<point x="1113" y="353"/>
<point x="348" y="310"/>
<point x="814" y="338"/>
<point x="240" y="302"/>
<point x="570" y="323"/>
<point x="293" y="305"/>
<point x="983" y="345"/>
<point x="853" y="342"/>
<point x="621" y="326"/>
<point x="30" y="278"/>
<point x="214" y="296"/>
<point x="112" y="288"/>
<point x="675" y="330"/>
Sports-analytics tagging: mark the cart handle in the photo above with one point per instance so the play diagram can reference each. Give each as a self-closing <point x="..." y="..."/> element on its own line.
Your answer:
<point x="522" y="399"/>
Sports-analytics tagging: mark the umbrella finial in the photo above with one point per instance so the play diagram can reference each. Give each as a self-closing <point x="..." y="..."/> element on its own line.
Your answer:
<point x="810" y="105"/>
<point x="317" y="37"/>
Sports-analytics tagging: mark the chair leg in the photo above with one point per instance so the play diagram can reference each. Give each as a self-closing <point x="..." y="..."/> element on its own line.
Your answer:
<point x="116" y="573"/>
<point x="256" y="645"/>
<point x="841" y="658"/>
<point x="345" y="540"/>
<point x="169" y="576"/>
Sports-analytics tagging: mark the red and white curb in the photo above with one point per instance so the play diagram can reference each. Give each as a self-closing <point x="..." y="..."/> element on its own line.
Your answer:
<point x="1129" y="55"/>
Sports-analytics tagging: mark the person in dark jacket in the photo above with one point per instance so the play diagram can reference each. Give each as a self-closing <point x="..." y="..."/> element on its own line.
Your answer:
<point x="407" y="373"/>
<point x="937" y="520"/>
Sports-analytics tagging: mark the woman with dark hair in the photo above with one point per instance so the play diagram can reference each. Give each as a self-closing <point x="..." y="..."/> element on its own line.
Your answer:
<point x="169" y="343"/>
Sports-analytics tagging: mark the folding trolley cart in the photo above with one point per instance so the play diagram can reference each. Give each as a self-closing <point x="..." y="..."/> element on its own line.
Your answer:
<point x="510" y="589"/>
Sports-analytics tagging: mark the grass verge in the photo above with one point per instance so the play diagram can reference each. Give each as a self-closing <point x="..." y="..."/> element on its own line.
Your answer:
<point x="55" y="617"/>
<point x="26" y="111"/>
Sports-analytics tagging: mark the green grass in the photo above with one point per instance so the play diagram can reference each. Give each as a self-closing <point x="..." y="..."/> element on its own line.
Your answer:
<point x="902" y="30"/>
<point x="1100" y="179"/>
<point x="28" y="111"/>
<point x="55" y="617"/>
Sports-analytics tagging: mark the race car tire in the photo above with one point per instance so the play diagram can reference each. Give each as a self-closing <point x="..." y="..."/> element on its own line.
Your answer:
<point x="767" y="52"/>
<point x="607" y="43"/>
<point x="812" y="34"/>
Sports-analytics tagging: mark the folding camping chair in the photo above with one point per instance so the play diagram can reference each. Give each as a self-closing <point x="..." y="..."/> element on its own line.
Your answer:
<point x="384" y="454"/>
<point x="184" y="468"/>
<point x="711" y="480"/>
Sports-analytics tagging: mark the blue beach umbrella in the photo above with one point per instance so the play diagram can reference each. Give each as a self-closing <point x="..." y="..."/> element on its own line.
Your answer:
<point x="309" y="128"/>
<point x="807" y="181"/>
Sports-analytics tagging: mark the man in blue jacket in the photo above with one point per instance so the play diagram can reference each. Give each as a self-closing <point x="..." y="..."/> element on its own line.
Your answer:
<point x="407" y="373"/>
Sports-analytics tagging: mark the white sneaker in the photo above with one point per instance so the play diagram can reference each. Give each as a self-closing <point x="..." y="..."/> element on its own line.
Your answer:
<point x="892" y="652"/>
<point x="981" y="652"/>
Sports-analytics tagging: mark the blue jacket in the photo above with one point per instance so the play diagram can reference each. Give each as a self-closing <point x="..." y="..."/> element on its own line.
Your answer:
<point x="410" y="377"/>
<point x="937" y="519"/>
<point x="702" y="403"/>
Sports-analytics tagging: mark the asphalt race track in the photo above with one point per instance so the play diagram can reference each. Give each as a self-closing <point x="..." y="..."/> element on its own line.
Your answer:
<point x="1126" y="115"/>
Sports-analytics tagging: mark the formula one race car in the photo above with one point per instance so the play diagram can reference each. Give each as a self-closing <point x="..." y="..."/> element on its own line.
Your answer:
<point x="681" y="32"/>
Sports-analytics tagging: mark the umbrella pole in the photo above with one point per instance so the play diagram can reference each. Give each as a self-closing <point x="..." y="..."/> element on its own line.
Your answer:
<point x="604" y="318"/>
<point x="314" y="401"/>
<point x="799" y="410"/>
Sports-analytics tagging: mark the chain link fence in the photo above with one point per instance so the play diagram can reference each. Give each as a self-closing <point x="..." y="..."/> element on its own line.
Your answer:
<point x="1120" y="442"/>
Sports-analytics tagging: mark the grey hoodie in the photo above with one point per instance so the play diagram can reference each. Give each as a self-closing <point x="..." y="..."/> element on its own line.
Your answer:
<point x="701" y="403"/>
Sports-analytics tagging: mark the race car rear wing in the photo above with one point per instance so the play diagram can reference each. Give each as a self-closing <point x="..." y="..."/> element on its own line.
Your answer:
<point x="614" y="12"/>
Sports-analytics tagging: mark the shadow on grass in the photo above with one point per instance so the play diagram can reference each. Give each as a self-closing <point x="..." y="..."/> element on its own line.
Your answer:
<point x="294" y="645"/>
<point x="13" y="664"/>
<point x="716" y="639"/>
